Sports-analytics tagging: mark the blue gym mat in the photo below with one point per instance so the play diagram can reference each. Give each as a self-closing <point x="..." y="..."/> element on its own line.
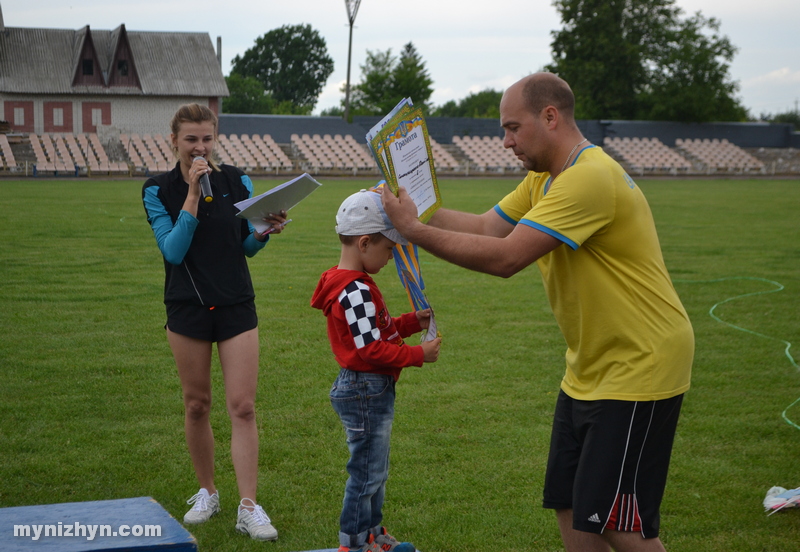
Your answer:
<point x="131" y="524"/>
<point x="126" y="524"/>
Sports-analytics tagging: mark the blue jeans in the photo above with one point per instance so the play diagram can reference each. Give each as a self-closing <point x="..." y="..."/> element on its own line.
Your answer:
<point x="365" y="404"/>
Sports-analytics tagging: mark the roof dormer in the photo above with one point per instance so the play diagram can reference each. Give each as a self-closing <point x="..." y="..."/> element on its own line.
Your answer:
<point x="88" y="70"/>
<point x="122" y="68"/>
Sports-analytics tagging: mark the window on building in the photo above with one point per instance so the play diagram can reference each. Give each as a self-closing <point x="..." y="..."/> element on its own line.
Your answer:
<point x="88" y="67"/>
<point x="122" y="67"/>
<point x="19" y="116"/>
<point x="58" y="117"/>
<point x="97" y="117"/>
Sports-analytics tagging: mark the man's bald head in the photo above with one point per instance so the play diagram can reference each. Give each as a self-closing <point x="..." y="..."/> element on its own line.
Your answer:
<point x="540" y="90"/>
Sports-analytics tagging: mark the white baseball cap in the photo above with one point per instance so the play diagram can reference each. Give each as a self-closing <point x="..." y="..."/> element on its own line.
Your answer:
<point x="362" y="213"/>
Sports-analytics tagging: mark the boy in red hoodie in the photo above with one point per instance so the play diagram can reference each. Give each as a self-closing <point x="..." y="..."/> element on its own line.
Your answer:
<point x="368" y="345"/>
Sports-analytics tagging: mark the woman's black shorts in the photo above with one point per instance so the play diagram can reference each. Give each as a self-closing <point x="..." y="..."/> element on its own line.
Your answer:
<point x="211" y="323"/>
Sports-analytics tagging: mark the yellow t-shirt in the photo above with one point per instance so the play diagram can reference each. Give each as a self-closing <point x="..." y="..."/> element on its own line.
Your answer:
<point x="628" y="335"/>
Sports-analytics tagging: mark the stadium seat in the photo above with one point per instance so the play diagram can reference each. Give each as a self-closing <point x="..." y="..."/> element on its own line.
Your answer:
<point x="646" y="154"/>
<point x="8" y="154"/>
<point x="720" y="155"/>
<point x="487" y="153"/>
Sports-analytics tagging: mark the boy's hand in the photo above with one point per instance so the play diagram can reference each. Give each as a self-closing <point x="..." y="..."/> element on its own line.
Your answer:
<point x="431" y="349"/>
<point x="424" y="318"/>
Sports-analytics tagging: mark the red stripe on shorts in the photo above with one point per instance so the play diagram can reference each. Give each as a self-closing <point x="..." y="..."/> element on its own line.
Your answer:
<point x="625" y="514"/>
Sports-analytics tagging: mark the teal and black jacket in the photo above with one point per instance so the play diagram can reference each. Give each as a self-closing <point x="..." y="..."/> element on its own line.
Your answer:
<point x="204" y="257"/>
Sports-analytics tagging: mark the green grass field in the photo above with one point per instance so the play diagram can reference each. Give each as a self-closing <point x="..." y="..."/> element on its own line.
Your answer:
<point x="90" y="405"/>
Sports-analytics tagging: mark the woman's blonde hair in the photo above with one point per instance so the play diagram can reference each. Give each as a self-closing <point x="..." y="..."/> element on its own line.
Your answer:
<point x="194" y="113"/>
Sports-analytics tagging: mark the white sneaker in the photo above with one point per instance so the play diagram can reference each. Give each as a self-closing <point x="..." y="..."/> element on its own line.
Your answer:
<point x="256" y="523"/>
<point x="205" y="506"/>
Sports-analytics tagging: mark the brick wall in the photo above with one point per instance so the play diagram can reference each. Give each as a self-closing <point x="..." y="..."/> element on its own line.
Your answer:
<point x="20" y="115"/>
<point x="122" y="114"/>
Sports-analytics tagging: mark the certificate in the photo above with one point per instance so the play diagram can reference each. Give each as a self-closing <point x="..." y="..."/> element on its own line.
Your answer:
<point x="403" y="152"/>
<point x="403" y="106"/>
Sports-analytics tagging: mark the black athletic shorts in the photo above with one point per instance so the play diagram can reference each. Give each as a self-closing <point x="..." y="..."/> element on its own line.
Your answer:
<point x="211" y="323"/>
<point x="608" y="462"/>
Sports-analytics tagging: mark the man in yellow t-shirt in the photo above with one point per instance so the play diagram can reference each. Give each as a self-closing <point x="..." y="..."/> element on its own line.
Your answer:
<point x="630" y="344"/>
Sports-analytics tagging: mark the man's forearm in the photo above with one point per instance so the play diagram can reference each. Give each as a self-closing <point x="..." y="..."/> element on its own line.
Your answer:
<point x="456" y="221"/>
<point x="480" y="253"/>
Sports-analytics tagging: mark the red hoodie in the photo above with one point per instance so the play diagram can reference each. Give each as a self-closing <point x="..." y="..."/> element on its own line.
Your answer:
<point x="363" y="336"/>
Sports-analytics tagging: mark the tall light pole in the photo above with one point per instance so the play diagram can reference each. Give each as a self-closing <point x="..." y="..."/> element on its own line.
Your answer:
<point x="352" y="11"/>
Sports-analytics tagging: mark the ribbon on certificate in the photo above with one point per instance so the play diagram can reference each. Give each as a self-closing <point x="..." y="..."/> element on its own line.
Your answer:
<point x="406" y="261"/>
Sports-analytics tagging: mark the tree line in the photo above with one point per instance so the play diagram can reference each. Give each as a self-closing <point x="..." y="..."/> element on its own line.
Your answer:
<point x="624" y="59"/>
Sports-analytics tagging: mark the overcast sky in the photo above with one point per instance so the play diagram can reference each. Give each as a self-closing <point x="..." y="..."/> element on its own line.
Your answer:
<point x="467" y="46"/>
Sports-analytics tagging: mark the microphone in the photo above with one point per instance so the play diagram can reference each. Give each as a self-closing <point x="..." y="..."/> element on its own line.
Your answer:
<point x="205" y="185"/>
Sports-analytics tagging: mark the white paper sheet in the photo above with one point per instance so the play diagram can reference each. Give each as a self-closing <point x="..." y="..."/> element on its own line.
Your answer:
<point x="280" y="198"/>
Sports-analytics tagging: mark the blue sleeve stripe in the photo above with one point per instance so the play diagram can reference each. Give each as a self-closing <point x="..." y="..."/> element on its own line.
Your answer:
<point x="252" y="246"/>
<point x="152" y="204"/>
<point x="504" y="216"/>
<point x="248" y="184"/>
<point x="173" y="240"/>
<point x="157" y="216"/>
<point x="572" y="245"/>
